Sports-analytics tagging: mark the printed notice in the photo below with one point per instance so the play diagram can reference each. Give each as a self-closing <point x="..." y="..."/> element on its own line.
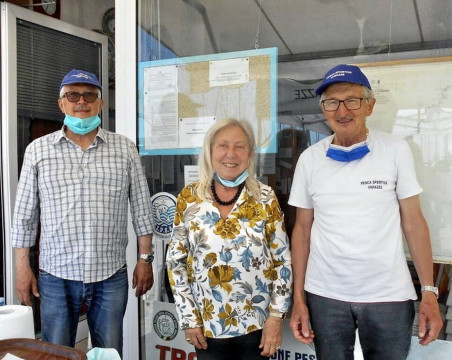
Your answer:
<point x="192" y="131"/>
<point x="191" y="174"/>
<point x="229" y="72"/>
<point x="266" y="164"/>
<point x="160" y="107"/>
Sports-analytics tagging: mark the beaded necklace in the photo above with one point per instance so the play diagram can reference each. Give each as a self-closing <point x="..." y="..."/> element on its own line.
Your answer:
<point x="226" y="203"/>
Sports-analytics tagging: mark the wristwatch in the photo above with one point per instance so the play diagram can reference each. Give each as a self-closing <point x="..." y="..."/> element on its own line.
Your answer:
<point x="278" y="314"/>
<point x="433" y="289"/>
<point x="149" y="258"/>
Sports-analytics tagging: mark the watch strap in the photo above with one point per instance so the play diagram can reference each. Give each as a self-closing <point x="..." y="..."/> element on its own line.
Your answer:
<point x="432" y="289"/>
<point x="278" y="314"/>
<point x="149" y="257"/>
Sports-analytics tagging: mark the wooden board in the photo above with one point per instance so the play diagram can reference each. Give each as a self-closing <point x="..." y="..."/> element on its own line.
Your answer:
<point x="30" y="349"/>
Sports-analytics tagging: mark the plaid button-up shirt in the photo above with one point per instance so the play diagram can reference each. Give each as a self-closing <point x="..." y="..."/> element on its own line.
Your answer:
<point x="81" y="199"/>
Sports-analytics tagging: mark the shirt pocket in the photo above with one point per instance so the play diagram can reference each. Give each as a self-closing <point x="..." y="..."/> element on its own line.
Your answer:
<point x="111" y="177"/>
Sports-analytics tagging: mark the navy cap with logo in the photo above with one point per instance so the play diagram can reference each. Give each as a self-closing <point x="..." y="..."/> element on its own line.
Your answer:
<point x="343" y="73"/>
<point x="80" y="77"/>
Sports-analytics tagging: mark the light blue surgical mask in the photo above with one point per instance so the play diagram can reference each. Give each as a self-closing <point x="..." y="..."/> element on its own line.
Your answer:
<point x="347" y="154"/>
<point x="81" y="126"/>
<point x="234" y="182"/>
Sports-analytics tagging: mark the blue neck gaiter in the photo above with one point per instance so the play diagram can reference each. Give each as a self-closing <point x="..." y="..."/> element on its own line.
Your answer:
<point x="231" y="183"/>
<point x="81" y="126"/>
<point x="347" y="154"/>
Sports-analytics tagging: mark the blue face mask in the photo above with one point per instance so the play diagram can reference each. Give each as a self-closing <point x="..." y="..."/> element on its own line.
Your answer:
<point x="81" y="126"/>
<point x="234" y="182"/>
<point x="347" y="154"/>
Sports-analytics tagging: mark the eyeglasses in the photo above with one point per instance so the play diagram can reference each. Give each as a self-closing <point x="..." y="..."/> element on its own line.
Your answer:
<point x="350" y="104"/>
<point x="74" y="96"/>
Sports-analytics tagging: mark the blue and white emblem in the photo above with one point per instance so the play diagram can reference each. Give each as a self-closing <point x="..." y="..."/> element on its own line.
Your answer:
<point x="163" y="210"/>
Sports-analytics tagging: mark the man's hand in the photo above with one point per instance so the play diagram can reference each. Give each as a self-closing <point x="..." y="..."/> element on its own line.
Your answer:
<point x="26" y="285"/>
<point x="143" y="277"/>
<point x="299" y="323"/>
<point x="430" y="322"/>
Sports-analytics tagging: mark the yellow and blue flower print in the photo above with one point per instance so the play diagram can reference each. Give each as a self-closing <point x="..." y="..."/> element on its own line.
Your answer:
<point x="226" y="273"/>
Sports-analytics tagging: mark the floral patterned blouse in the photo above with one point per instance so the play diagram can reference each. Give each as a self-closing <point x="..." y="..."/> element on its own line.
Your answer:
<point x="227" y="274"/>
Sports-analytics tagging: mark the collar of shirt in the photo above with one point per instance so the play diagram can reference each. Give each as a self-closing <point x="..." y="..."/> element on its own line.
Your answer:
<point x="101" y="134"/>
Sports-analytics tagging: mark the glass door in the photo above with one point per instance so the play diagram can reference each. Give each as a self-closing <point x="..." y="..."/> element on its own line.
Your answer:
<point x="175" y="70"/>
<point x="177" y="30"/>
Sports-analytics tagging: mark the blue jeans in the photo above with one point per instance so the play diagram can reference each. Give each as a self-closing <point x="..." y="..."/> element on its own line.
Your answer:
<point x="384" y="328"/>
<point x="62" y="300"/>
<point x="245" y="347"/>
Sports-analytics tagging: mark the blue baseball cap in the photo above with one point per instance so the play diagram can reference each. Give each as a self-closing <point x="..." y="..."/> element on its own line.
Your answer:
<point x="343" y="73"/>
<point x="80" y="77"/>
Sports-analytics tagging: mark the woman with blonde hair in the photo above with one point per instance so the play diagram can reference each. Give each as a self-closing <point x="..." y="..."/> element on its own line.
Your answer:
<point x="229" y="260"/>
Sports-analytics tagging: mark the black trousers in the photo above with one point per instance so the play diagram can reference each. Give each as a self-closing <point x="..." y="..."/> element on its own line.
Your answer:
<point x="245" y="347"/>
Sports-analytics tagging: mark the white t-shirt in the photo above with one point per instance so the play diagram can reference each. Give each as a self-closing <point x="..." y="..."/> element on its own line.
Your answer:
<point x="356" y="251"/>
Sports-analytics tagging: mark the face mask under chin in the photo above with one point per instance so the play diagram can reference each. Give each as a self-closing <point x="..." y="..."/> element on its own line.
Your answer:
<point x="81" y="126"/>
<point x="355" y="152"/>
<point x="231" y="183"/>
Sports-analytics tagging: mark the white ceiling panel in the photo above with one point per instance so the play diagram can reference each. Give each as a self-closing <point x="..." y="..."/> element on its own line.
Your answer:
<point x="197" y="27"/>
<point x="436" y="19"/>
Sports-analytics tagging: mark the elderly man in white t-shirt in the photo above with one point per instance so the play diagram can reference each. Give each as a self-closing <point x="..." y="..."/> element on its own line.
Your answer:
<point x="355" y="192"/>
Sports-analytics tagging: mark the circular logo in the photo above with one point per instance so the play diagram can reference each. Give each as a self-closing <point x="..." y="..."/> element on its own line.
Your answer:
<point x="163" y="210"/>
<point x="165" y="325"/>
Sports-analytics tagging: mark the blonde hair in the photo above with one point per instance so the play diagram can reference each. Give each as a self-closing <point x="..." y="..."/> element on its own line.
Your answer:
<point x="206" y="169"/>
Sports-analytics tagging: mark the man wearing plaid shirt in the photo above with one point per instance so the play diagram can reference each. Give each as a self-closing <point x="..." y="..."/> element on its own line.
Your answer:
<point x="76" y="183"/>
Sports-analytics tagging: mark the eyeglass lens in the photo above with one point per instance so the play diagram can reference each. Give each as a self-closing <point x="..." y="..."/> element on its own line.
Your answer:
<point x="74" y="96"/>
<point x="350" y="104"/>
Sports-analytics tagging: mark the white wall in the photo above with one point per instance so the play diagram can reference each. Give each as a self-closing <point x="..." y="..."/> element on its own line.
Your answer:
<point x="85" y="13"/>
